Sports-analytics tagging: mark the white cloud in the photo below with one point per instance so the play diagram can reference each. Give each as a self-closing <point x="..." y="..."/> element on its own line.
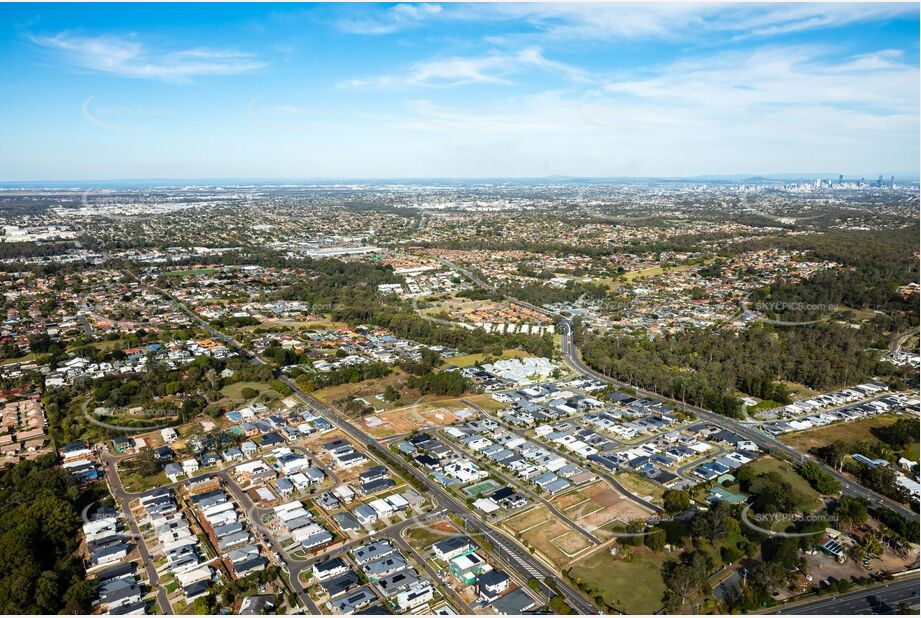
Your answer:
<point x="770" y="110"/>
<point x="780" y="76"/>
<point x="127" y="57"/>
<point x="587" y="21"/>
<point x="394" y="19"/>
<point x="494" y="68"/>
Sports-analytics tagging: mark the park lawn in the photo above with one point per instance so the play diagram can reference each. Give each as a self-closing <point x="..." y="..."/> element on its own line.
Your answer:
<point x="295" y="325"/>
<point x="366" y="389"/>
<point x="761" y="406"/>
<point x="472" y="359"/>
<point x="423" y="537"/>
<point x="646" y="272"/>
<point x="134" y="482"/>
<point x="859" y="314"/>
<point x="655" y="271"/>
<point x="633" y="585"/>
<point x="486" y="402"/>
<point x="193" y="271"/>
<point x="108" y="345"/>
<point x="714" y="549"/>
<point x="21" y="359"/>
<point x="911" y="452"/>
<point x="799" y="391"/>
<point x="235" y="391"/>
<point x="640" y="486"/>
<point x="769" y="464"/>
<point x="852" y="432"/>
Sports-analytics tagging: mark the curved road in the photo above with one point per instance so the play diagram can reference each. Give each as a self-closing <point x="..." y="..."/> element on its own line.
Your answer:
<point x="572" y="359"/>
<point x="848" y="486"/>
<point x="599" y="470"/>
<point x="503" y="546"/>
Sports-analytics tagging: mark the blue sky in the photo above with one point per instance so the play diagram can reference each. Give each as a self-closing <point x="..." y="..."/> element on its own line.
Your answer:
<point x="456" y="90"/>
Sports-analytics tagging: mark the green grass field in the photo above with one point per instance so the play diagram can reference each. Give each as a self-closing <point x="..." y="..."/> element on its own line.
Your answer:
<point x="134" y="482"/>
<point x="235" y="391"/>
<point x="21" y="359"/>
<point x="801" y="485"/>
<point x="422" y="537"/>
<point x="639" y="485"/>
<point x="193" y="271"/>
<point x="632" y="585"/>
<point x="472" y="359"/>
<point x="849" y="433"/>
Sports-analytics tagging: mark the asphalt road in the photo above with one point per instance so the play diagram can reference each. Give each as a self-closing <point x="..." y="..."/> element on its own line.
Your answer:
<point x="571" y="356"/>
<point x="118" y="492"/>
<point x="597" y="469"/>
<point x="533" y="496"/>
<point x="503" y="547"/>
<point x="879" y="599"/>
<point x="765" y="441"/>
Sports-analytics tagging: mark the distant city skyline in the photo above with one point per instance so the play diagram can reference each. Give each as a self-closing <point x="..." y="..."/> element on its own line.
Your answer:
<point x="457" y="91"/>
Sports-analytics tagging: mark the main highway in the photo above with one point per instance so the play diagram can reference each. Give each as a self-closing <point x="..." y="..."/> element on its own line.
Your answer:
<point x="503" y="546"/>
<point x="765" y="441"/>
<point x="884" y="598"/>
<point x="508" y="550"/>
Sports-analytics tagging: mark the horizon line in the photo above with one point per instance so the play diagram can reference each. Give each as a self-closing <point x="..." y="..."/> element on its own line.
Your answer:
<point x="777" y="177"/>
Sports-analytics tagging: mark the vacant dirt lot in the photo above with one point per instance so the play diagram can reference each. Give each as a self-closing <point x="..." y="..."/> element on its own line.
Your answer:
<point x="552" y="538"/>
<point x="571" y="543"/>
<point x="856" y="431"/>
<point x="410" y="419"/>
<point x="598" y="504"/>
<point x="526" y="520"/>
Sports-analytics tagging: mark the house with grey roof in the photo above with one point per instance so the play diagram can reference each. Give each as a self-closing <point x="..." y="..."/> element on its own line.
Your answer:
<point x="353" y="601"/>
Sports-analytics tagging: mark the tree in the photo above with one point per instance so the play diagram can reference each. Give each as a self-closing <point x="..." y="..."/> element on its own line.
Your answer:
<point x="717" y="523"/>
<point x="47" y="591"/>
<point x="819" y="479"/>
<point x="676" y="500"/>
<point x="770" y="492"/>
<point x="40" y="343"/>
<point x="391" y="394"/>
<point x="883" y="480"/>
<point x="851" y="511"/>
<point x="441" y="383"/>
<point x="39" y="525"/>
<point x="655" y="540"/>
<point x="833" y="454"/>
<point x="762" y="579"/>
<point x="730" y="554"/>
<point x="685" y="580"/>
<point x="79" y="598"/>
<point x="635" y="534"/>
<point x="868" y="547"/>
<point x="899" y="434"/>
